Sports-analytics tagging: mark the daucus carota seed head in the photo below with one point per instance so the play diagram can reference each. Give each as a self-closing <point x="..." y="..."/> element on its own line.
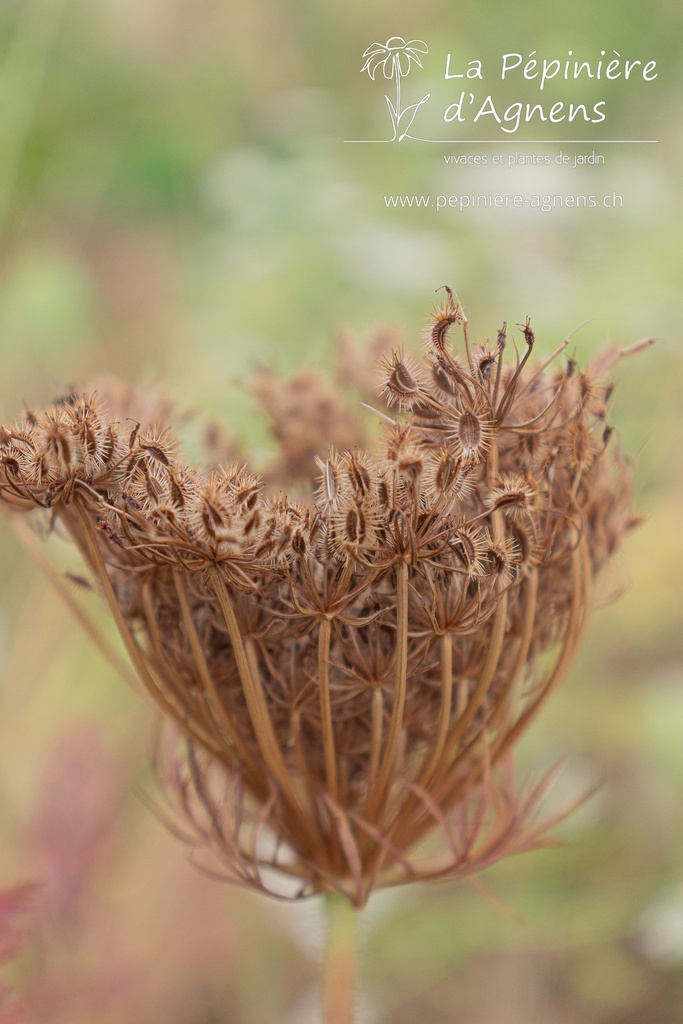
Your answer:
<point x="400" y="383"/>
<point x="470" y="432"/>
<point x="515" y="495"/>
<point x="344" y="673"/>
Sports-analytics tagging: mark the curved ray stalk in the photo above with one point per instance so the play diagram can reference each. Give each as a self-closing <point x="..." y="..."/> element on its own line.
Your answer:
<point x="446" y="657"/>
<point x="94" y="557"/>
<point x="504" y="703"/>
<point x="377" y="794"/>
<point x="258" y="710"/>
<point x="326" y="706"/>
<point x="220" y="715"/>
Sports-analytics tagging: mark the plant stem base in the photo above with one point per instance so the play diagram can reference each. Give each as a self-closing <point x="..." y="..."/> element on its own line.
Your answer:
<point x="340" y="960"/>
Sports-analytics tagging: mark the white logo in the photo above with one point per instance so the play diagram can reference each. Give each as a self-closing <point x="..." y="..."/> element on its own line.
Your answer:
<point x="395" y="58"/>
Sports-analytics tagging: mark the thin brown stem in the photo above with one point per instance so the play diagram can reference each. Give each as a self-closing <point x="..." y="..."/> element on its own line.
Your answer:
<point x="376" y="736"/>
<point x="326" y="707"/>
<point x="578" y="620"/>
<point x="221" y="716"/>
<point x="166" y="668"/>
<point x="446" y="658"/>
<point x="93" y="555"/>
<point x="256" y="704"/>
<point x="504" y="702"/>
<point x="494" y="650"/>
<point x="468" y="349"/>
<point x="376" y="797"/>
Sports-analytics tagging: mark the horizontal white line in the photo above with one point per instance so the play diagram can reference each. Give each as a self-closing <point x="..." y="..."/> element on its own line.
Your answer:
<point x="517" y="142"/>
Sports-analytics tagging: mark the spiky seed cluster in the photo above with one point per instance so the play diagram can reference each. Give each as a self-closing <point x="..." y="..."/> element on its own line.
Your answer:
<point x="349" y="670"/>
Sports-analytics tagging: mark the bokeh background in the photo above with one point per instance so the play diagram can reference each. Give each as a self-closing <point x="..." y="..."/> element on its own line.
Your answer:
<point x="177" y="206"/>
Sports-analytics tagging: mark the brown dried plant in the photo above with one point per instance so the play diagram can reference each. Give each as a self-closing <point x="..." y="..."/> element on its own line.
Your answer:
<point x="347" y="674"/>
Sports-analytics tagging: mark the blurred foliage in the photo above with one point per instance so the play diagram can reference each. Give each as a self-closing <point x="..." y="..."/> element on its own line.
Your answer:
<point x="176" y="207"/>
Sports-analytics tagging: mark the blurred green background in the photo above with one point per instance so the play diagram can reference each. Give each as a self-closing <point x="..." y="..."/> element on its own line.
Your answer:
<point x="177" y="205"/>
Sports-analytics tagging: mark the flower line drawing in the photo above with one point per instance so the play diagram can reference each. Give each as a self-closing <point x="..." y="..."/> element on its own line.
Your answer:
<point x="395" y="58"/>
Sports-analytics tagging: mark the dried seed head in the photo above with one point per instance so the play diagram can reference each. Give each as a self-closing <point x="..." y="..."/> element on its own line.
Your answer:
<point x="528" y="545"/>
<point x="529" y="335"/>
<point x="360" y="474"/>
<point x="448" y="475"/>
<point x="220" y="511"/>
<point x="58" y="453"/>
<point x="470" y="433"/>
<point x="246" y="487"/>
<point x="579" y="445"/>
<point x="515" y="496"/>
<point x="504" y="559"/>
<point x="353" y="527"/>
<point x="331" y="480"/>
<point x="351" y="670"/>
<point x="471" y="546"/>
<point x="211" y="513"/>
<point x="441" y="322"/>
<point x="156" y="449"/>
<point x="410" y="465"/>
<point x="284" y="532"/>
<point x="404" y="454"/>
<point x="485" y="359"/>
<point x="595" y="394"/>
<point x="446" y="468"/>
<point x="12" y="458"/>
<point x="84" y="416"/>
<point x="400" y="383"/>
<point x="399" y="437"/>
